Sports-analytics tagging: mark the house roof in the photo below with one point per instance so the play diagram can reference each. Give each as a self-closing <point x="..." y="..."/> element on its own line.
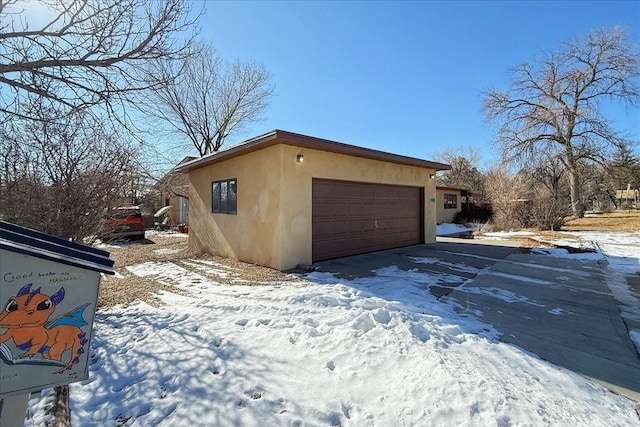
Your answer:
<point x="289" y="138"/>
<point x="463" y="191"/>
<point x="175" y="178"/>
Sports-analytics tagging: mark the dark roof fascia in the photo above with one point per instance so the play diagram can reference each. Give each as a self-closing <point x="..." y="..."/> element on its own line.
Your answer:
<point x="253" y="144"/>
<point x="303" y="141"/>
<point x="26" y="241"/>
<point x="452" y="188"/>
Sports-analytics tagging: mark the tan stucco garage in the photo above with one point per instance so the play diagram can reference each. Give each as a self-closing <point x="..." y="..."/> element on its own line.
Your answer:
<point x="283" y="199"/>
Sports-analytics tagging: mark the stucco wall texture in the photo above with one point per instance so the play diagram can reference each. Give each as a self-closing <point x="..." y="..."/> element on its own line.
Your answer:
<point x="447" y="215"/>
<point x="272" y="226"/>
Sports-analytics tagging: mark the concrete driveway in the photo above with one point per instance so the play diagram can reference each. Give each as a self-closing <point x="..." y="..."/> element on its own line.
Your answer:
<point x="558" y="308"/>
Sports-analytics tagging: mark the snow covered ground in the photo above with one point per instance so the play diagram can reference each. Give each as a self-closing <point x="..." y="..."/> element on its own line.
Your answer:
<point x="447" y="229"/>
<point x="323" y="351"/>
<point x="622" y="251"/>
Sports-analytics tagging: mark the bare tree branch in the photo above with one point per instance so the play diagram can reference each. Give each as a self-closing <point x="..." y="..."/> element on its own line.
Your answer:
<point x="89" y="52"/>
<point x="61" y="171"/>
<point x="209" y="101"/>
<point x="554" y="105"/>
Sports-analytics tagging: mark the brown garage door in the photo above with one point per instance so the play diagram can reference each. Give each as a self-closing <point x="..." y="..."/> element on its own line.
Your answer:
<point x="353" y="217"/>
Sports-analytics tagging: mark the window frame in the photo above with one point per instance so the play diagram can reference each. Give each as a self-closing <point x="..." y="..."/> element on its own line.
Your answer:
<point x="450" y="201"/>
<point x="222" y="200"/>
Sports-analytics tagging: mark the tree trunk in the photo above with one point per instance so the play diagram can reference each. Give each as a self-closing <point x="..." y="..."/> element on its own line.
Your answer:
<point x="577" y="209"/>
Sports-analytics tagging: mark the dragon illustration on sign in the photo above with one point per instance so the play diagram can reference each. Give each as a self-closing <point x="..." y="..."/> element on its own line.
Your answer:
<point x="26" y="320"/>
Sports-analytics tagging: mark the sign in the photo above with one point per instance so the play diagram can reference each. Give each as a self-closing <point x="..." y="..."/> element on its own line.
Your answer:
<point x="48" y="291"/>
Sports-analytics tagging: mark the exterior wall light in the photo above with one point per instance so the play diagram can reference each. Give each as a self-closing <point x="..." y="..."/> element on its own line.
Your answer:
<point x="300" y="158"/>
<point x="432" y="175"/>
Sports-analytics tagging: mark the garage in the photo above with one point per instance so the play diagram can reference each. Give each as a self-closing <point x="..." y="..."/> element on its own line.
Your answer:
<point x="299" y="199"/>
<point x="351" y="218"/>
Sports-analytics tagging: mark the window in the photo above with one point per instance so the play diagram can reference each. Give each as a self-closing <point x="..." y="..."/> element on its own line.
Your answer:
<point x="224" y="196"/>
<point x="451" y="201"/>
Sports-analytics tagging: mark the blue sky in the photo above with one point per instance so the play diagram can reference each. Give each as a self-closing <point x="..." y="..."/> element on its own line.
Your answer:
<point x="405" y="77"/>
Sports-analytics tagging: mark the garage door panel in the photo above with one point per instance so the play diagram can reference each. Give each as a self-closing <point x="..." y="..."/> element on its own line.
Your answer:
<point x="340" y="228"/>
<point x="354" y="192"/>
<point x="405" y="223"/>
<point x="356" y="226"/>
<point x="369" y="209"/>
<point x="407" y="210"/>
<point x="355" y="209"/>
<point x="351" y="217"/>
<point x="323" y="190"/>
<point x="323" y="229"/>
<point x="367" y="192"/>
<point x="369" y="226"/>
<point x="324" y="208"/>
<point x="390" y="209"/>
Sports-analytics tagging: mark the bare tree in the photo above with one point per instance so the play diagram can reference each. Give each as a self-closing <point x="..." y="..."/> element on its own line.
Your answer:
<point x="624" y="168"/>
<point x="62" y="171"/>
<point x="464" y="172"/>
<point x="520" y="200"/>
<point x="548" y="169"/>
<point x="555" y="103"/>
<point x="87" y="52"/>
<point x="209" y="100"/>
<point x="506" y="193"/>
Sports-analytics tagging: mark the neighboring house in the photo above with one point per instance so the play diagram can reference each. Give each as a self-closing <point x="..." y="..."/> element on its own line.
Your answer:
<point x="628" y="198"/>
<point x="174" y="192"/>
<point x="283" y="199"/>
<point x="450" y="203"/>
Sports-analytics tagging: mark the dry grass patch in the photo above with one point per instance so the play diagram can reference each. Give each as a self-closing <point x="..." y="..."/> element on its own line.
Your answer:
<point x="553" y="239"/>
<point x="526" y="242"/>
<point x="156" y="248"/>
<point x="234" y="272"/>
<point x="126" y="288"/>
<point x="556" y="235"/>
<point x="129" y="289"/>
<point x="615" y="221"/>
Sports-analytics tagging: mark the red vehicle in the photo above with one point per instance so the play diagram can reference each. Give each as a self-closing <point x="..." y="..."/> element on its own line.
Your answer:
<point x="125" y="222"/>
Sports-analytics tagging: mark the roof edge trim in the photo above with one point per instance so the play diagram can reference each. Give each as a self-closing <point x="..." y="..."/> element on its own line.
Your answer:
<point x="278" y="136"/>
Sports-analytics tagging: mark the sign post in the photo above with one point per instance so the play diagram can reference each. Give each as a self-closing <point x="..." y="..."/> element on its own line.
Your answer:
<point x="13" y="410"/>
<point x="48" y="291"/>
